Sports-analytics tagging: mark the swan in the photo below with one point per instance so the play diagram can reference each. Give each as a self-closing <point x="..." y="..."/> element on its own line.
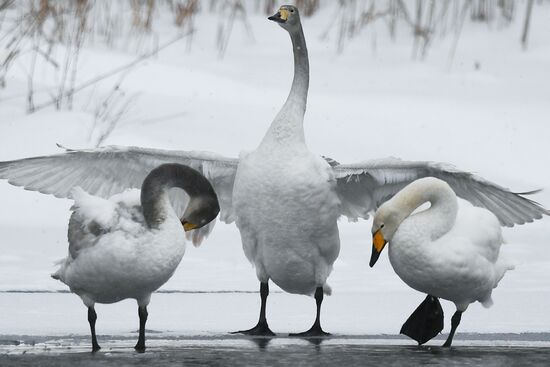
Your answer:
<point x="277" y="188"/>
<point x="129" y="245"/>
<point x="291" y="192"/>
<point x="445" y="251"/>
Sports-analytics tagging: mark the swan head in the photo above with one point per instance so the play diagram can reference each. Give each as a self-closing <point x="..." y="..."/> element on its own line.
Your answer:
<point x="288" y="17"/>
<point x="385" y="223"/>
<point x="199" y="212"/>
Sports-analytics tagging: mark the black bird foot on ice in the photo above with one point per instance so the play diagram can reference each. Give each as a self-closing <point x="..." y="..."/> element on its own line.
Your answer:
<point x="140" y="348"/>
<point x="261" y="329"/>
<point x="425" y="322"/>
<point x="315" y="332"/>
<point x="95" y="348"/>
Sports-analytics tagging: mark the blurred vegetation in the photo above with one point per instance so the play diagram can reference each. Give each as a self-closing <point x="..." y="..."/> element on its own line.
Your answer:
<point x="54" y="31"/>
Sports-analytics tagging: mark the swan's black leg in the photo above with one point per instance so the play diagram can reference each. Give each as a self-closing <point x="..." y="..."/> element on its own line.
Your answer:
<point x="455" y="321"/>
<point x="261" y="329"/>
<point x="316" y="329"/>
<point x="92" y="317"/>
<point x="142" y="312"/>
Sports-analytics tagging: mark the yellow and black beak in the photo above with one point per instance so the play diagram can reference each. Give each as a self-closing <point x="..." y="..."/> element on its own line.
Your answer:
<point x="188" y="226"/>
<point x="281" y="16"/>
<point x="378" y="243"/>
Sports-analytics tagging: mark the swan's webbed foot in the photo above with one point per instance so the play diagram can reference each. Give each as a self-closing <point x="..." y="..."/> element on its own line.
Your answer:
<point x="425" y="322"/>
<point x="140" y="347"/>
<point x="261" y="329"/>
<point x="314" y="331"/>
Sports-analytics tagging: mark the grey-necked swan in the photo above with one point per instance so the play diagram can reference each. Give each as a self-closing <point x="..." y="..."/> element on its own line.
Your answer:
<point x="129" y="245"/>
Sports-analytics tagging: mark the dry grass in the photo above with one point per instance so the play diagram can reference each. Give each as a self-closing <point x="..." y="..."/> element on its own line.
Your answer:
<point x="53" y="32"/>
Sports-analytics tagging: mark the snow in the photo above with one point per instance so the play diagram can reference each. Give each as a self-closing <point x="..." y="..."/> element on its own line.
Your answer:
<point x="94" y="208"/>
<point x="363" y="104"/>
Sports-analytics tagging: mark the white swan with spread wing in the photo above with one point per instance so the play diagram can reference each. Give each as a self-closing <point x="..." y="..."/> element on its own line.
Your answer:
<point x="284" y="198"/>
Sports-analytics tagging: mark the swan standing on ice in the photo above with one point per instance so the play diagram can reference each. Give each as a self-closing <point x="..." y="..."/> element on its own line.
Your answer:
<point x="285" y="199"/>
<point x="302" y="196"/>
<point x="443" y="251"/>
<point x="124" y="247"/>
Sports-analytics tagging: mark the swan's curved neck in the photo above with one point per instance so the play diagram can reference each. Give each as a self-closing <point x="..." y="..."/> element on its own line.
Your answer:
<point x="154" y="190"/>
<point x="436" y="220"/>
<point x="288" y="125"/>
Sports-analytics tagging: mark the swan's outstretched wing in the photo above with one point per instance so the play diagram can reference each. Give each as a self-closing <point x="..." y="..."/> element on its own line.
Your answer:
<point x="362" y="187"/>
<point x="110" y="170"/>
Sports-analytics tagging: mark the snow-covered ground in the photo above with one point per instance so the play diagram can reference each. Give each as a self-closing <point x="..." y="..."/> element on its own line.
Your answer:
<point x="363" y="104"/>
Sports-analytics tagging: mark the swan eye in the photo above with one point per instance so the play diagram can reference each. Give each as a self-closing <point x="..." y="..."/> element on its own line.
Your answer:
<point x="381" y="226"/>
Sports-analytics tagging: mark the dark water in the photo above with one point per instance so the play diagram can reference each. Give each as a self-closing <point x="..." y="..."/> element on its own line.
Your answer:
<point x="276" y="352"/>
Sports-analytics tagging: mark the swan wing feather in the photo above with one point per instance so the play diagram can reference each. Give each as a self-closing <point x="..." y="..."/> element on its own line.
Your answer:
<point x="363" y="187"/>
<point x="110" y="170"/>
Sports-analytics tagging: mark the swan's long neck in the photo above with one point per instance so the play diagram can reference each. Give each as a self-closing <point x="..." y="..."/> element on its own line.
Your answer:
<point x="288" y="125"/>
<point x="436" y="220"/>
<point x="154" y="191"/>
<point x="300" y="84"/>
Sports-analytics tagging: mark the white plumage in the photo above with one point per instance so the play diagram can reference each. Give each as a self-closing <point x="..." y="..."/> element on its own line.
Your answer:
<point x="444" y="251"/>
<point x="129" y="245"/>
<point x="284" y="197"/>
<point x="287" y="214"/>
<point x="113" y="254"/>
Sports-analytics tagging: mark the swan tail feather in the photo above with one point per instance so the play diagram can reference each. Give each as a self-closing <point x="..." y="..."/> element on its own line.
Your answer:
<point x="487" y="302"/>
<point x="503" y="271"/>
<point x="59" y="273"/>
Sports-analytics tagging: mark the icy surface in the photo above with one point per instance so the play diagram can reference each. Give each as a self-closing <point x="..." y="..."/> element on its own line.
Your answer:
<point x="274" y="352"/>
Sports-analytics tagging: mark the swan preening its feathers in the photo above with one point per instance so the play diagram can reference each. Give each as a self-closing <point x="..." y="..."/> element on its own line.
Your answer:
<point x="284" y="199"/>
<point x="444" y="251"/>
<point x="129" y="245"/>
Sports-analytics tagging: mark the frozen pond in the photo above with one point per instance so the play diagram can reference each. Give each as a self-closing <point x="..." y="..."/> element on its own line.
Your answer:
<point x="221" y="350"/>
<point x="50" y="329"/>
